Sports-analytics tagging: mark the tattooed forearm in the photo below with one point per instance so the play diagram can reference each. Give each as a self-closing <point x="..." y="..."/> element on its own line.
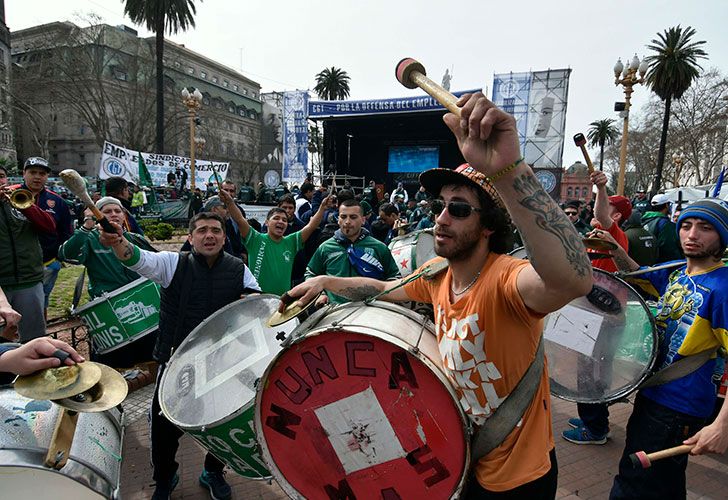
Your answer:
<point x="624" y="262"/>
<point x="358" y="292"/>
<point x="552" y="219"/>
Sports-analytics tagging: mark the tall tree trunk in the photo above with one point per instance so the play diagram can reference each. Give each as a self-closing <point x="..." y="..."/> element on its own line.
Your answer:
<point x="160" y="85"/>
<point x="601" y="156"/>
<point x="663" y="146"/>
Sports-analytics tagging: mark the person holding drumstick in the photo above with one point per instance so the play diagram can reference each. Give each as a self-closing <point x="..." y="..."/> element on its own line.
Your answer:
<point x="692" y="318"/>
<point x="489" y="306"/>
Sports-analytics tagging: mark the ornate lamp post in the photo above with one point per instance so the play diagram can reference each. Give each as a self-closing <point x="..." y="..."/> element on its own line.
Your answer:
<point x="193" y="101"/>
<point x="628" y="80"/>
<point x="678" y="159"/>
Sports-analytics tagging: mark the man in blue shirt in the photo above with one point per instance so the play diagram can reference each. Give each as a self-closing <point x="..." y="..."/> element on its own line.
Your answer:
<point x="691" y="319"/>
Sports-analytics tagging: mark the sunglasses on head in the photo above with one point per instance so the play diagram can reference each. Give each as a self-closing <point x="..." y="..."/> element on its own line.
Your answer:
<point x="458" y="209"/>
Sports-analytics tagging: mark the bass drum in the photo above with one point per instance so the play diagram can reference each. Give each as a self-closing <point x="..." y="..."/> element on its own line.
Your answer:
<point x="357" y="406"/>
<point x="93" y="468"/>
<point x="601" y="346"/>
<point x="412" y="250"/>
<point x="208" y="386"/>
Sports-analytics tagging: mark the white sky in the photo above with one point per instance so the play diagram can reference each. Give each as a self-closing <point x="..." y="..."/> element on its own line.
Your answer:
<point x="285" y="43"/>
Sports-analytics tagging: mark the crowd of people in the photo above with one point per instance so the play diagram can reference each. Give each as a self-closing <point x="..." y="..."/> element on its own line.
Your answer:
<point x="488" y="306"/>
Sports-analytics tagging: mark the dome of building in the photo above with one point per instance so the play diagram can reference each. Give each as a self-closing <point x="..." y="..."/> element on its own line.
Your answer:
<point x="578" y="169"/>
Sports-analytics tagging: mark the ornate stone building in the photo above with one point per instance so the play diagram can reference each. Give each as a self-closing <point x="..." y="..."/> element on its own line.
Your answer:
<point x="7" y="144"/>
<point x="575" y="183"/>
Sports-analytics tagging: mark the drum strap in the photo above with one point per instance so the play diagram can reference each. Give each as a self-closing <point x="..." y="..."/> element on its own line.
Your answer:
<point x="679" y="369"/>
<point x="503" y="420"/>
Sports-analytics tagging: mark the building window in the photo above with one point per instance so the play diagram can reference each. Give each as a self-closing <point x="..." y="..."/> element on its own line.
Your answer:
<point x="176" y="64"/>
<point x="245" y="91"/>
<point x="191" y="70"/>
<point x="583" y="192"/>
<point x="203" y="74"/>
<point x="231" y="109"/>
<point x="82" y="158"/>
<point x="214" y="79"/>
<point x="225" y="83"/>
<point x="569" y="193"/>
<point x="236" y="88"/>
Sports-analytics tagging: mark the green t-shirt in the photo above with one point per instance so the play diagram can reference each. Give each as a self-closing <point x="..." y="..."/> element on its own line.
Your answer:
<point x="271" y="262"/>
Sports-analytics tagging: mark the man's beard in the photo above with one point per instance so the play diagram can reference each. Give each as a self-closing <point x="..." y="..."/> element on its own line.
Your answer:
<point x="462" y="245"/>
<point x="704" y="253"/>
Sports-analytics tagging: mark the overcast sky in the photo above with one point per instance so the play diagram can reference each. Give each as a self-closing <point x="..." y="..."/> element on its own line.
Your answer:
<point x="283" y="44"/>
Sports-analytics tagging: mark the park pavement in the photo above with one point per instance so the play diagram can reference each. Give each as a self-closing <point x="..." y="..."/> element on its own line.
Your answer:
<point x="585" y="471"/>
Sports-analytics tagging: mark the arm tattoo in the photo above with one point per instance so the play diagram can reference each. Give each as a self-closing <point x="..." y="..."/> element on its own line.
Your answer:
<point x="358" y="292"/>
<point x="551" y="219"/>
<point x="127" y="251"/>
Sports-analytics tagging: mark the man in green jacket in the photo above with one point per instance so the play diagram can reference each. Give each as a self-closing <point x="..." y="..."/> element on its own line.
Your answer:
<point x="351" y="252"/>
<point x="657" y="221"/>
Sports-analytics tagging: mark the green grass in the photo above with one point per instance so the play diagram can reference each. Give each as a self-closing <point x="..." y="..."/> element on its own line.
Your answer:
<point x="61" y="297"/>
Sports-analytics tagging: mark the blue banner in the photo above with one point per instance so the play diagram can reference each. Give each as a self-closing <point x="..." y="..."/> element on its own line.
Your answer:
<point x="377" y="106"/>
<point x="295" y="136"/>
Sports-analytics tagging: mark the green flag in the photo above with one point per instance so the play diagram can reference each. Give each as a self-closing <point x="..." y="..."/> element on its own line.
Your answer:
<point x="146" y="180"/>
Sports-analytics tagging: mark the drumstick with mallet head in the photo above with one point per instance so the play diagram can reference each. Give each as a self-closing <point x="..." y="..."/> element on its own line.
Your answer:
<point x="644" y="460"/>
<point x="411" y="74"/>
<point x="74" y="183"/>
<point x="580" y="141"/>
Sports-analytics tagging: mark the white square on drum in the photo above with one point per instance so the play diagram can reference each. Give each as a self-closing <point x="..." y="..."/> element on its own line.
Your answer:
<point x="359" y="431"/>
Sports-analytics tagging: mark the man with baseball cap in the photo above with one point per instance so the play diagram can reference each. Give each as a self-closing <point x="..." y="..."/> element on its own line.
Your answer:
<point x="35" y="177"/>
<point x="489" y="306"/>
<point x="657" y="222"/>
<point x="692" y="320"/>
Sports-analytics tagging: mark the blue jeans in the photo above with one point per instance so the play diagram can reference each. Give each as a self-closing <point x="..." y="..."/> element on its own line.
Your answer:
<point x="29" y="303"/>
<point x="50" y="275"/>
<point x="654" y="427"/>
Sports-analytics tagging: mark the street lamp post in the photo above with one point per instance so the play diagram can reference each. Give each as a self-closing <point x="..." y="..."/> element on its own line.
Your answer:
<point x="678" y="159"/>
<point x="628" y="80"/>
<point x="193" y="101"/>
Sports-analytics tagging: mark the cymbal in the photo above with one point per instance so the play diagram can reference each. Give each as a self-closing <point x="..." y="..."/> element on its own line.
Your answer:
<point x="110" y="390"/>
<point x="598" y="244"/>
<point x="291" y="311"/>
<point x="60" y="382"/>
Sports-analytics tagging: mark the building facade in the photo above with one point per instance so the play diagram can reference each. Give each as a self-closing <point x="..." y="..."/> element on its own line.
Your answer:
<point x="79" y="86"/>
<point x="575" y="183"/>
<point x="7" y="144"/>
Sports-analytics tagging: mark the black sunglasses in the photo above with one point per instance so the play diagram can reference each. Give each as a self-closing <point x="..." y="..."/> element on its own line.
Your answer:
<point x="570" y="213"/>
<point x="458" y="209"/>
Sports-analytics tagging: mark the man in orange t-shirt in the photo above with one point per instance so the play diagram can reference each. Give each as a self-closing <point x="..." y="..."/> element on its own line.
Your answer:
<point x="489" y="306"/>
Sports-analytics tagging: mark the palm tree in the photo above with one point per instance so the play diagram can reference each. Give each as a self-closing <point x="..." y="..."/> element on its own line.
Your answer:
<point x="601" y="133"/>
<point x="161" y="16"/>
<point x="672" y="70"/>
<point x="332" y="84"/>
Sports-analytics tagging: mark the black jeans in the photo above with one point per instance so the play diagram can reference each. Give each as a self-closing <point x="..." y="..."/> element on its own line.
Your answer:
<point x="165" y="442"/>
<point x="595" y="417"/>
<point x="654" y="427"/>
<point x="543" y="488"/>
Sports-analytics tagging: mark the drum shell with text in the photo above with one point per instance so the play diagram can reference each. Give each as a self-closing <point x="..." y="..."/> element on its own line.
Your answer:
<point x="94" y="465"/>
<point x="207" y="388"/>
<point x="360" y="395"/>
<point x="412" y="250"/>
<point x="117" y="318"/>
<point x="601" y="352"/>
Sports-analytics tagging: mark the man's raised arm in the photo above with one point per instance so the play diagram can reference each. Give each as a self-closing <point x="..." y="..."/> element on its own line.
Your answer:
<point x="560" y="270"/>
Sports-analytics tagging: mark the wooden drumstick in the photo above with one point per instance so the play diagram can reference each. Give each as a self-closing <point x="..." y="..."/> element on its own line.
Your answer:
<point x="74" y="183"/>
<point x="580" y="141"/>
<point x="644" y="460"/>
<point x="411" y="74"/>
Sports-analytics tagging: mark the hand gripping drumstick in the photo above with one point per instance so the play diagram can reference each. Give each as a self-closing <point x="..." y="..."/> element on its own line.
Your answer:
<point x="644" y="460"/>
<point x="580" y="141"/>
<point x="74" y="183"/>
<point x="411" y="74"/>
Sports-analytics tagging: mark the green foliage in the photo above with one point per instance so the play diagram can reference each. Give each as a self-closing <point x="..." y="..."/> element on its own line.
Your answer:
<point x="156" y="230"/>
<point x="332" y="84"/>
<point x="601" y="133"/>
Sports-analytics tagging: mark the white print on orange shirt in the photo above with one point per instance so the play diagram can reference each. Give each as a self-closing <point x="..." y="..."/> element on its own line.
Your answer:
<point x="462" y="347"/>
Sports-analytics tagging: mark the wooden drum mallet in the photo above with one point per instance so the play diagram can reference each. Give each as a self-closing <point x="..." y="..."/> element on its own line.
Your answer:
<point x="644" y="460"/>
<point x="580" y="141"/>
<point x="411" y="74"/>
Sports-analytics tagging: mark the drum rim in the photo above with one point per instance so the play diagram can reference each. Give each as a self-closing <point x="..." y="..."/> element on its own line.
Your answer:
<point x="105" y="296"/>
<point x="646" y="372"/>
<point x="165" y="373"/>
<point x="437" y="371"/>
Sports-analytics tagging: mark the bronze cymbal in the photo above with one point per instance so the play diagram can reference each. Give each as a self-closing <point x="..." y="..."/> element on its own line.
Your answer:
<point x="291" y="311"/>
<point x="110" y="390"/>
<point x="598" y="244"/>
<point x="60" y="382"/>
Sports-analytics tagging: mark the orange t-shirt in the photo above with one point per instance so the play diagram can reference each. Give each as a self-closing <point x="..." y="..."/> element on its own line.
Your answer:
<point x="487" y="340"/>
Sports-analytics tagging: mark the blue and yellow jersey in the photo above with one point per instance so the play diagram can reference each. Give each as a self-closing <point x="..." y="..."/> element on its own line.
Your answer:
<point x="692" y="316"/>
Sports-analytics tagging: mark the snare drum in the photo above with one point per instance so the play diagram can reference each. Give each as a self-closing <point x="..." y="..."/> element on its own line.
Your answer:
<point x="602" y="346"/>
<point x="94" y="464"/>
<point x="412" y="250"/>
<point x="122" y="316"/>
<point x="360" y="394"/>
<point x="208" y="386"/>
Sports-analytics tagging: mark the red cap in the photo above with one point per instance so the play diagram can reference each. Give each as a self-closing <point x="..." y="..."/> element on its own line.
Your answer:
<point x="622" y="205"/>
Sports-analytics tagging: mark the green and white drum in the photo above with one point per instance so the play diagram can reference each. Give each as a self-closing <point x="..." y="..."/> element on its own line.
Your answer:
<point x="208" y="387"/>
<point x="122" y="316"/>
<point x="412" y="250"/>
